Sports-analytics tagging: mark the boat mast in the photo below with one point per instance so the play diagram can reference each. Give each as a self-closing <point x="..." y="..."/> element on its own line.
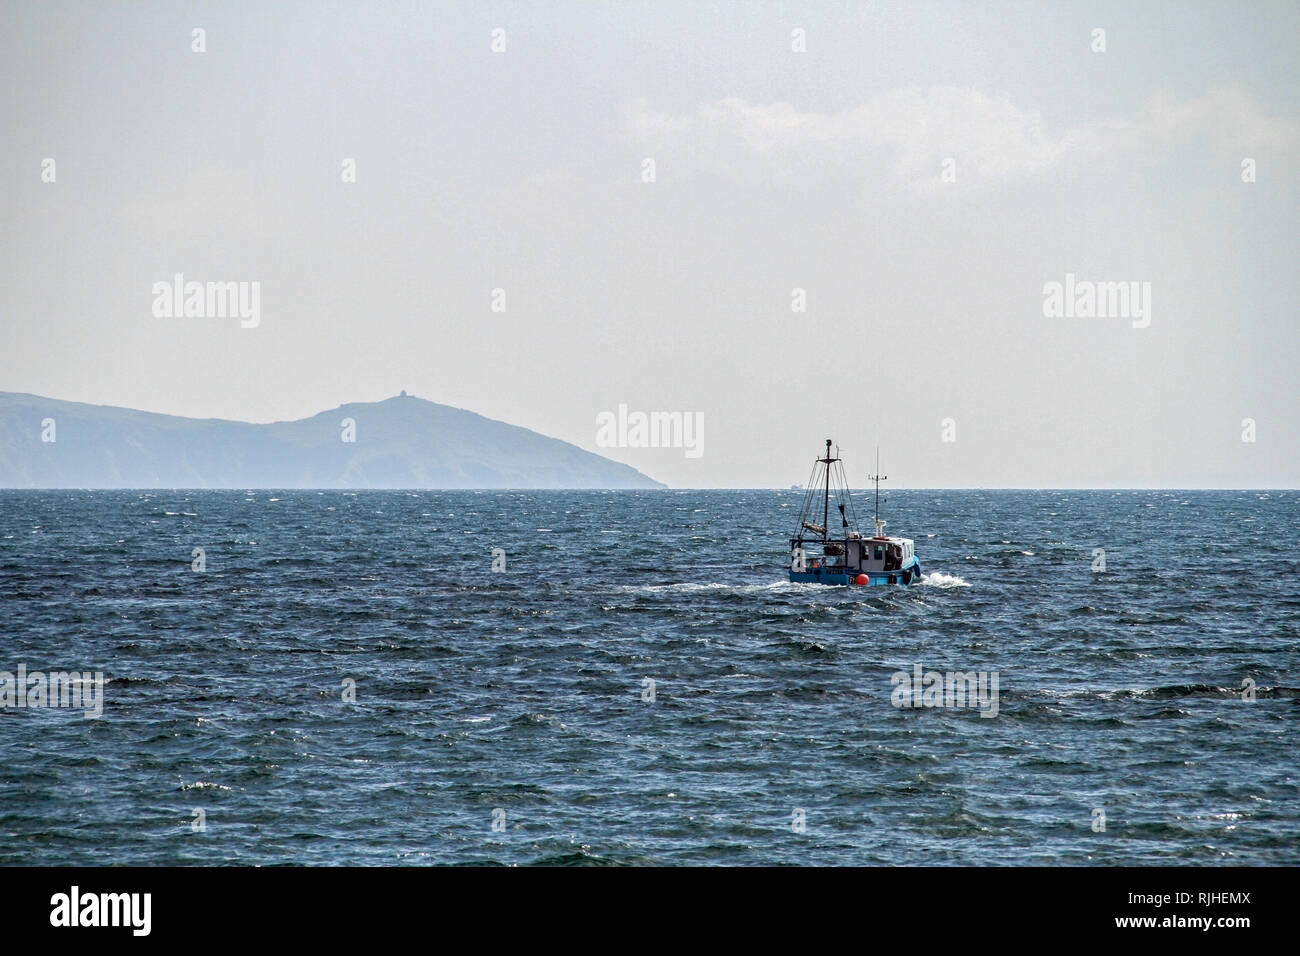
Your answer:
<point x="826" y="505"/>
<point x="877" y="478"/>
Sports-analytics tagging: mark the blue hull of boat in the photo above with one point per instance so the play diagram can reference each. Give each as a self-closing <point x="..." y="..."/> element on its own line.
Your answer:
<point x="908" y="575"/>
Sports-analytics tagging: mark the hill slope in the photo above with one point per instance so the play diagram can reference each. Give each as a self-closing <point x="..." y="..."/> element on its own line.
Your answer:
<point x="402" y="442"/>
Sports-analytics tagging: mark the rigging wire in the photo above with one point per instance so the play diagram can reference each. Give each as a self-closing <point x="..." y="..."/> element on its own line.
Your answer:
<point x="816" y="489"/>
<point x="809" y="490"/>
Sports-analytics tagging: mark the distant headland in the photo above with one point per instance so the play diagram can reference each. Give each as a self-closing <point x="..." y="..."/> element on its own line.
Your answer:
<point x="401" y="442"/>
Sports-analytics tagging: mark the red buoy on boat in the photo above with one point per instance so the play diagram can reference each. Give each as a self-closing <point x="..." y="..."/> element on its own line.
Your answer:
<point x="862" y="579"/>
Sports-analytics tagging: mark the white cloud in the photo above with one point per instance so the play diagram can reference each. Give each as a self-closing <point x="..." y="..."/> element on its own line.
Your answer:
<point x="910" y="131"/>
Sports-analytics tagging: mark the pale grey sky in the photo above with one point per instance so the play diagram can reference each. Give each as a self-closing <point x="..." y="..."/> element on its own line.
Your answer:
<point x="775" y="170"/>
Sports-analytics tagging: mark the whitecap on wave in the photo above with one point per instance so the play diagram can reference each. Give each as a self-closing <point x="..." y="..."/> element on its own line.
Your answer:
<point x="937" y="579"/>
<point x="687" y="587"/>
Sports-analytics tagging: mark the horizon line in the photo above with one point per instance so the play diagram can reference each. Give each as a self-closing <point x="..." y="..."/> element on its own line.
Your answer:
<point x="787" y="490"/>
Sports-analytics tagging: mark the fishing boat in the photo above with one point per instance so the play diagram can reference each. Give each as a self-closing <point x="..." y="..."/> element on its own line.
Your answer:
<point x="819" y="557"/>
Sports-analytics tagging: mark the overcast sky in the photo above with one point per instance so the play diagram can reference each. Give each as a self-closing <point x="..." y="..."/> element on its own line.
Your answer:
<point x="821" y="170"/>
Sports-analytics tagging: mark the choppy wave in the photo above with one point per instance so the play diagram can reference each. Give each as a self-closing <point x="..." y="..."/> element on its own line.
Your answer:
<point x="350" y="681"/>
<point x="937" y="579"/>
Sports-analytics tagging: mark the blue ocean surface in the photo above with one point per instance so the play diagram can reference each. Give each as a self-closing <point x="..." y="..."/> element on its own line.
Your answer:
<point x="642" y="685"/>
